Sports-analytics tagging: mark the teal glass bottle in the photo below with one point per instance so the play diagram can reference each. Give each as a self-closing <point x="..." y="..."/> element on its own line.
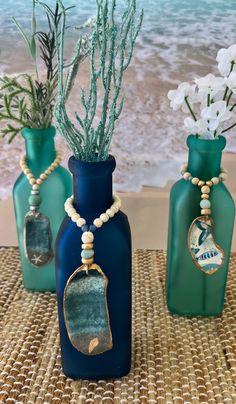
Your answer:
<point x="40" y="153"/>
<point x="190" y="291"/>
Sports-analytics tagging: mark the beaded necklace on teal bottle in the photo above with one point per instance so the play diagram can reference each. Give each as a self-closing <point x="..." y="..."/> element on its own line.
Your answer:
<point x="206" y="253"/>
<point x="88" y="328"/>
<point x="37" y="230"/>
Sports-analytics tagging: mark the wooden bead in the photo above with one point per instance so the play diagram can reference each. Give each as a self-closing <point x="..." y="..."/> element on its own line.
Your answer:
<point x="26" y="171"/>
<point x="39" y="181"/>
<point x="186" y="175"/>
<point x="209" y="183"/>
<point x="75" y="217"/>
<point x="215" y="180"/>
<point x="87" y="246"/>
<point x="183" y="168"/>
<point x="205" y="196"/>
<point x="87" y="261"/>
<point x="110" y="212"/>
<point x="104" y="217"/>
<point x="117" y="205"/>
<point x="201" y="183"/>
<point x="32" y="181"/>
<point x="29" y="176"/>
<point x="43" y="176"/>
<point x="223" y="176"/>
<point x="87" y="237"/>
<point x="224" y="170"/>
<point x="205" y="189"/>
<point x="205" y="211"/>
<point x="80" y="222"/>
<point x="116" y="198"/>
<point x="35" y="187"/>
<point x="195" y="181"/>
<point x="70" y="210"/>
<point x="98" y="223"/>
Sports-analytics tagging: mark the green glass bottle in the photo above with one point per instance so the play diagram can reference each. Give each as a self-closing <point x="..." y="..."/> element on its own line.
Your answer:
<point x="40" y="153"/>
<point x="189" y="290"/>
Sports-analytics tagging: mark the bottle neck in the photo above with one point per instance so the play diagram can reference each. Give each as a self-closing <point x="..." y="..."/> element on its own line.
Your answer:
<point x="204" y="165"/>
<point x="92" y="196"/>
<point x="40" y="150"/>
<point x="204" y="161"/>
<point x="92" y="187"/>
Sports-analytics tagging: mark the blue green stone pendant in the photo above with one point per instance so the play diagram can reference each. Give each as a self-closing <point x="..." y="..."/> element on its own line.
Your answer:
<point x="85" y="304"/>
<point x="86" y="312"/>
<point x="37" y="234"/>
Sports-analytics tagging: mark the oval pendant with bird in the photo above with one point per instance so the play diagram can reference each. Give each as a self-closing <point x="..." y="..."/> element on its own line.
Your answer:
<point x="205" y="252"/>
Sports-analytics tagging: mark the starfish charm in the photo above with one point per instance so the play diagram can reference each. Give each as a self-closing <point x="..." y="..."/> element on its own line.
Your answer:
<point x="36" y="259"/>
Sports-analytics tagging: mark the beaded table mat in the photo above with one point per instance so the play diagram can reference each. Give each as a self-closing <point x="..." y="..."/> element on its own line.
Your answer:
<point x="175" y="359"/>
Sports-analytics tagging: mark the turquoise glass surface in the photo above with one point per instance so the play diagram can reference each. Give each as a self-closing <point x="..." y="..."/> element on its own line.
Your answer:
<point x="40" y="153"/>
<point x="189" y="291"/>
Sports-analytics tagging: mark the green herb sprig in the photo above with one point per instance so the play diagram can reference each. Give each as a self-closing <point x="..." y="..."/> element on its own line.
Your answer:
<point x="27" y="100"/>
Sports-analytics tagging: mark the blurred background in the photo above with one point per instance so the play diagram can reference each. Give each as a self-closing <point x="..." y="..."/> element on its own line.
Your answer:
<point x="179" y="41"/>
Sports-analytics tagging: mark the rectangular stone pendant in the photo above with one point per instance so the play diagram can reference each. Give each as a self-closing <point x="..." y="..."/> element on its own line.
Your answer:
<point x="37" y="239"/>
<point x="206" y="254"/>
<point x="86" y="311"/>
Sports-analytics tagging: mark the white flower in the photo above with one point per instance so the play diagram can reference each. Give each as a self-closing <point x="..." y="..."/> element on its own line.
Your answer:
<point x="199" y="127"/>
<point x="226" y="59"/>
<point x="214" y="97"/>
<point x="231" y="82"/>
<point x="210" y="88"/>
<point x="202" y="126"/>
<point x="190" y="125"/>
<point x="210" y="83"/>
<point x="215" y="114"/>
<point x="177" y="97"/>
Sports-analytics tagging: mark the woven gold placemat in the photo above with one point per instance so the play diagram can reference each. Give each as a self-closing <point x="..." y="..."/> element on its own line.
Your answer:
<point x="175" y="360"/>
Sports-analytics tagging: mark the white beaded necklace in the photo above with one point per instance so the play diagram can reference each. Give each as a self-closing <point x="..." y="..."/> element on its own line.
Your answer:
<point x="35" y="183"/>
<point x="87" y="254"/>
<point x="205" y="186"/>
<point x="37" y="230"/>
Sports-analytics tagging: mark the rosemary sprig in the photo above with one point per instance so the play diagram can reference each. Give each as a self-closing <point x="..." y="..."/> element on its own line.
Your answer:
<point x="26" y="101"/>
<point x="27" y="105"/>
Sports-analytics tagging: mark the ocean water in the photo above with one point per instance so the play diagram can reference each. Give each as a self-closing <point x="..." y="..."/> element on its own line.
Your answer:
<point x="179" y="41"/>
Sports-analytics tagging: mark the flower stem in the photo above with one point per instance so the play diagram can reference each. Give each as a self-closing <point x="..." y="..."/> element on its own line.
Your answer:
<point x="190" y="109"/>
<point x="231" y="109"/>
<point x="228" y="100"/>
<point x="227" y="88"/>
<point x="230" y="127"/>
<point x="225" y="94"/>
<point x="208" y="100"/>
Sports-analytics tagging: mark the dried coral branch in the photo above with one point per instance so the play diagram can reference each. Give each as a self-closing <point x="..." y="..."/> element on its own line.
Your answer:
<point x="114" y="43"/>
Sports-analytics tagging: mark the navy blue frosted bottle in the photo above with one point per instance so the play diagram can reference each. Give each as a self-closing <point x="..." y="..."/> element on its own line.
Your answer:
<point x="112" y="245"/>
